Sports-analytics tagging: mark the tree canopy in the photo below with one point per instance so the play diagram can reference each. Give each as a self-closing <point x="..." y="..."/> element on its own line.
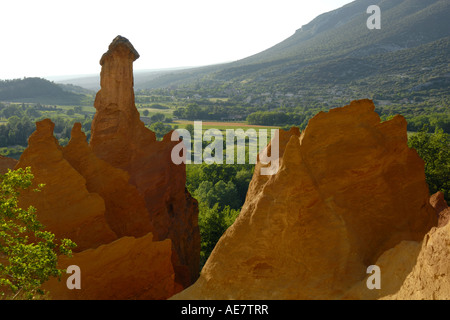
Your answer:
<point x="28" y="253"/>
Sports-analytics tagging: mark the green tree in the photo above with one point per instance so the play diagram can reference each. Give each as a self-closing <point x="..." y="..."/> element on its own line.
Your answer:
<point x="28" y="255"/>
<point x="222" y="193"/>
<point x="190" y="127"/>
<point x="158" y="117"/>
<point x="434" y="149"/>
<point x="11" y="110"/>
<point x="160" y="129"/>
<point x="213" y="222"/>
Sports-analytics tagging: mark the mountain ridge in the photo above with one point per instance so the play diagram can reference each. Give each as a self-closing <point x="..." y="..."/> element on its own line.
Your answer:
<point x="335" y="48"/>
<point x="338" y="34"/>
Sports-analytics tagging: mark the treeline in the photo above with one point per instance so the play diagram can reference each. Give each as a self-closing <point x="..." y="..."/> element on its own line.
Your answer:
<point x="21" y="119"/>
<point x="220" y="191"/>
<point x="433" y="121"/>
<point x="276" y="118"/>
<point x="17" y="130"/>
<point x="434" y="149"/>
<point x="194" y="111"/>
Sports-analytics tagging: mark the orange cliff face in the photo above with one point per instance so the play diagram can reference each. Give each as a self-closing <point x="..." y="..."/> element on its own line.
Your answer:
<point x="120" y="198"/>
<point x="347" y="190"/>
<point x="64" y="206"/>
<point x="125" y="212"/>
<point x="6" y="163"/>
<point x="120" y="138"/>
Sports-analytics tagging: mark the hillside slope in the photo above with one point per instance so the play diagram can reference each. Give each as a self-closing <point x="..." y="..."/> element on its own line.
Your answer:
<point x="37" y="90"/>
<point x="337" y="48"/>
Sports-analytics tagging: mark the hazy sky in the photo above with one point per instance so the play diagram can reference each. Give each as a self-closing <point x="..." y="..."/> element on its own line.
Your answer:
<point x="42" y="38"/>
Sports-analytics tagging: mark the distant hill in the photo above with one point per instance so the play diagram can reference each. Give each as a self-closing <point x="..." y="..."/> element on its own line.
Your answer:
<point x="38" y="90"/>
<point x="337" y="49"/>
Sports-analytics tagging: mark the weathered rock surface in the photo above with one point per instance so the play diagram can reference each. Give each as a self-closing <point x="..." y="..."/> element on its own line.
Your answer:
<point x="125" y="212"/>
<point x="395" y="264"/>
<point x="6" y="163"/>
<point x="120" y="138"/>
<point x="127" y="268"/>
<point x="120" y="199"/>
<point x="441" y="207"/>
<point x="64" y="205"/>
<point x="430" y="277"/>
<point x="348" y="190"/>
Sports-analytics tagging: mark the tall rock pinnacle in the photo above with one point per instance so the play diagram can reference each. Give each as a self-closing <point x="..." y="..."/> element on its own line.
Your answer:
<point x="116" y="110"/>
<point x="120" y="138"/>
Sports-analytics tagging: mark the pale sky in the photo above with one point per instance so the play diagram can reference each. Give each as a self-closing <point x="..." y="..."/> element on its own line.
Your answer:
<point x="41" y="38"/>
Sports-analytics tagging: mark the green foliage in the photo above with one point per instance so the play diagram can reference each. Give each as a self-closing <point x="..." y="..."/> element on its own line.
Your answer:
<point x="28" y="255"/>
<point x="21" y="120"/>
<point x="158" y="117"/>
<point x="275" y="118"/>
<point x="213" y="222"/>
<point x="434" y="149"/>
<point x="432" y="121"/>
<point x="160" y="129"/>
<point x="221" y="194"/>
<point x="220" y="191"/>
<point x="230" y="181"/>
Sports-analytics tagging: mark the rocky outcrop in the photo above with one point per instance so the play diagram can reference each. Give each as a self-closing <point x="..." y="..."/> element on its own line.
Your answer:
<point x="441" y="207"/>
<point x="430" y="276"/>
<point x="89" y="201"/>
<point x="64" y="205"/>
<point x="125" y="269"/>
<point x="348" y="190"/>
<point x="6" y="163"/>
<point x="120" y="138"/>
<point x="120" y="198"/>
<point x="125" y="212"/>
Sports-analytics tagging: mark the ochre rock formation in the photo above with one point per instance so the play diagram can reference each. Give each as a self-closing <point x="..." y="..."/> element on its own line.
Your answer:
<point x="439" y="204"/>
<point x="126" y="212"/>
<point x="348" y="190"/>
<point x="120" y="138"/>
<point x="127" y="268"/>
<point x="64" y="205"/>
<point x="395" y="264"/>
<point x="120" y="198"/>
<point x="430" y="277"/>
<point x="6" y="163"/>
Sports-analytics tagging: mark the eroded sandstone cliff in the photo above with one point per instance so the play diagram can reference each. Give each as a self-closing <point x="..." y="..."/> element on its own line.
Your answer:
<point x="120" y="138"/>
<point x="348" y="190"/>
<point x="6" y="163"/>
<point x="64" y="206"/>
<point x="119" y="198"/>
